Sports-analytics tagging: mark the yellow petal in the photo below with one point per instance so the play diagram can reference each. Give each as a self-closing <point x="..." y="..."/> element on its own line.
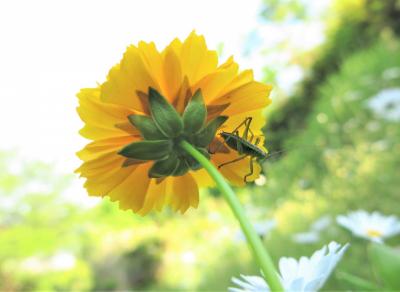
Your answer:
<point x="101" y="119"/>
<point x="132" y="191"/>
<point x="202" y="178"/>
<point x="243" y="78"/>
<point x="197" y="61"/>
<point x="98" y="148"/>
<point x="102" y="184"/>
<point x="172" y="74"/>
<point x="213" y="84"/>
<point x="152" y="60"/>
<point x="155" y="196"/>
<point x="100" y="165"/>
<point x="89" y="100"/>
<point x="185" y="193"/>
<point x="251" y="96"/>
<point x="126" y="79"/>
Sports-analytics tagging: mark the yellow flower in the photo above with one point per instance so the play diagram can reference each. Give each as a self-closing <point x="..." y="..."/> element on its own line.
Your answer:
<point x="177" y="72"/>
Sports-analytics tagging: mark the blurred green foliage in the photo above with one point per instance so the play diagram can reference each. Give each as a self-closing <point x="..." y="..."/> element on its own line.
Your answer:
<point x="342" y="154"/>
<point x="346" y="158"/>
<point x="355" y="26"/>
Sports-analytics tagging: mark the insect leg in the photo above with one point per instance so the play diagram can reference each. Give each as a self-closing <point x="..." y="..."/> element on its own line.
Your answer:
<point x="241" y="124"/>
<point x="251" y="136"/>
<point x="232" y="161"/>
<point x="247" y="123"/>
<point x="251" y="169"/>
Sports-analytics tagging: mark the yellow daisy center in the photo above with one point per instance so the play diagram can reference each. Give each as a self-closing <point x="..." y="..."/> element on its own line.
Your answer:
<point x="374" y="233"/>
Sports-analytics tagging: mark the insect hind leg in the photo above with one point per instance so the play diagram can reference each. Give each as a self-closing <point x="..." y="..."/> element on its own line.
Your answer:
<point x="247" y="123"/>
<point x="251" y="169"/>
<point x="232" y="161"/>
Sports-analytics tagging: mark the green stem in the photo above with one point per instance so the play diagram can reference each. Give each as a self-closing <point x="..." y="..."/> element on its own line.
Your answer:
<point x="254" y="241"/>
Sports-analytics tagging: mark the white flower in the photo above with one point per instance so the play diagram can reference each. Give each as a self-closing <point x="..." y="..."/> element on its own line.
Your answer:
<point x="321" y="223"/>
<point x="373" y="226"/>
<point x="313" y="235"/>
<point x="261" y="228"/>
<point x="305" y="274"/>
<point x="306" y="237"/>
<point x="250" y="284"/>
<point x="386" y="104"/>
<point x="391" y="73"/>
<point x="261" y="180"/>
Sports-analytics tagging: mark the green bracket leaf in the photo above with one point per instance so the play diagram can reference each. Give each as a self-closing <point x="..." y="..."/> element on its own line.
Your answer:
<point x="164" y="115"/>
<point x="147" y="150"/>
<point x="182" y="167"/>
<point x="205" y="136"/>
<point x="147" y="127"/>
<point x="163" y="168"/>
<point x="193" y="163"/>
<point x="194" y="116"/>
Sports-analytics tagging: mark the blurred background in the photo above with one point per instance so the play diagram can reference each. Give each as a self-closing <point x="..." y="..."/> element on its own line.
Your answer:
<point x="332" y="131"/>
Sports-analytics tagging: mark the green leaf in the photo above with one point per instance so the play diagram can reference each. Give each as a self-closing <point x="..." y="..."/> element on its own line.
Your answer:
<point x="131" y="161"/>
<point x="164" y="115"/>
<point x="163" y="168"/>
<point x="357" y="282"/>
<point x="386" y="263"/>
<point x="182" y="168"/>
<point x="194" y="116"/>
<point x="205" y="136"/>
<point x="147" y="127"/>
<point x="193" y="163"/>
<point x="147" y="150"/>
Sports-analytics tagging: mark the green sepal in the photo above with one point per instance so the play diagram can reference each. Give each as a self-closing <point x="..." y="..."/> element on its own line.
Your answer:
<point x="207" y="134"/>
<point x="193" y="163"/>
<point x="147" y="127"/>
<point x="164" y="115"/>
<point x="182" y="167"/>
<point x="147" y="150"/>
<point x="163" y="168"/>
<point x="386" y="263"/>
<point x="194" y="116"/>
<point x="131" y="161"/>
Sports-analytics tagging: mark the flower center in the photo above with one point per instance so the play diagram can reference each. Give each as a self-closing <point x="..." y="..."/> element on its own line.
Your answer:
<point x="374" y="233"/>
<point x="163" y="131"/>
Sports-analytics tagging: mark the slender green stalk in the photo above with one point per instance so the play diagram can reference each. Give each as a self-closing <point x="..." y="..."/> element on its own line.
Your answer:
<point x="254" y="241"/>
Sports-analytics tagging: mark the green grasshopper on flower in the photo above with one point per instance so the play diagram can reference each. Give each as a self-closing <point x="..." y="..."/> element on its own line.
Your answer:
<point x="243" y="145"/>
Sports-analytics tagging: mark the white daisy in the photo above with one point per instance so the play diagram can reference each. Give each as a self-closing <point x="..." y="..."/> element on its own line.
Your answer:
<point x="313" y="235"/>
<point x="262" y="228"/>
<point x="373" y="226"/>
<point x="306" y="237"/>
<point x="386" y="104"/>
<point x="322" y="223"/>
<point x="305" y="274"/>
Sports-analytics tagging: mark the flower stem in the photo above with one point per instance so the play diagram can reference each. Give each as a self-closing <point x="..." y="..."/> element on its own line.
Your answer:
<point x="254" y="241"/>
